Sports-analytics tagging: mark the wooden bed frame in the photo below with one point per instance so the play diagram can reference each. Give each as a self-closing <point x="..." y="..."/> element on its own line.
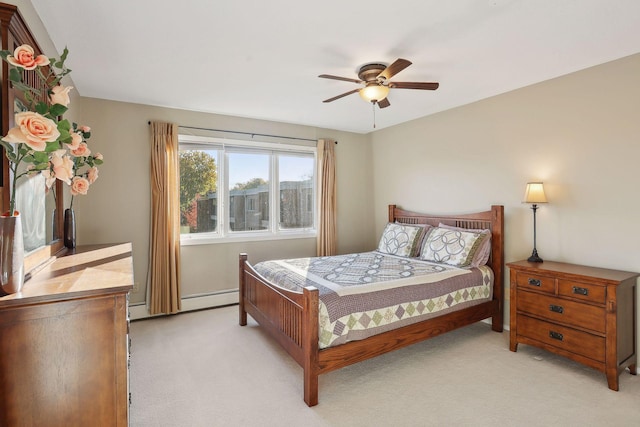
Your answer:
<point x="291" y="318"/>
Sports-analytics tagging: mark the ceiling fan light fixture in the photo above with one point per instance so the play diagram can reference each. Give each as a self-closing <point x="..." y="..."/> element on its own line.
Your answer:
<point x="374" y="92"/>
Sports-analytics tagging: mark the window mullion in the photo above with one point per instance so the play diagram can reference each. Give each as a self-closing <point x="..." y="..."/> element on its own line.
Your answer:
<point x="222" y="194"/>
<point x="275" y="194"/>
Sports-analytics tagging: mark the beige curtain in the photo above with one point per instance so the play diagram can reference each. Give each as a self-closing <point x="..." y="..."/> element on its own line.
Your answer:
<point x="164" y="250"/>
<point x="326" y="243"/>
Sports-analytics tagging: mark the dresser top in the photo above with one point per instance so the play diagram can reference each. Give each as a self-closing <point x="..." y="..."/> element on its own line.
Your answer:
<point x="84" y="271"/>
<point x="573" y="270"/>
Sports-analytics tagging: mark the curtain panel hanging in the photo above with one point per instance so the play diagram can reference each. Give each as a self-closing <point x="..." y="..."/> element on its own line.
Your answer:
<point x="163" y="282"/>
<point x="326" y="241"/>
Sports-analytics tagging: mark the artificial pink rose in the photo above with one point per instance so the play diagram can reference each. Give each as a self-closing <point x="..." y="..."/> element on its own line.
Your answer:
<point x="79" y="185"/>
<point x="49" y="178"/>
<point x="82" y="150"/>
<point x="62" y="166"/>
<point x="23" y="57"/>
<point x="85" y="129"/>
<point x="60" y="95"/>
<point x="92" y="174"/>
<point x="34" y="130"/>
<point x="31" y="172"/>
<point x="76" y="139"/>
<point x="98" y="156"/>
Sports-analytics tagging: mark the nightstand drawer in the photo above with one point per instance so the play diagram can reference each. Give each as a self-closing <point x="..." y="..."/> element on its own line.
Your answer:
<point x="559" y="310"/>
<point x="583" y="291"/>
<point x="536" y="282"/>
<point x="568" y="339"/>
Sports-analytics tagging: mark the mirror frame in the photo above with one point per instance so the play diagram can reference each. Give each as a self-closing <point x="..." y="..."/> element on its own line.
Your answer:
<point x="15" y="32"/>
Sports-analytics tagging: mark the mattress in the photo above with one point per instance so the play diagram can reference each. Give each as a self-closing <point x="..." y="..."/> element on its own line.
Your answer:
<point x="364" y="294"/>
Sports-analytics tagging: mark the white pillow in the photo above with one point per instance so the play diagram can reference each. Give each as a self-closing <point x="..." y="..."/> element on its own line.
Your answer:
<point x="401" y="239"/>
<point x="452" y="247"/>
<point x="482" y="254"/>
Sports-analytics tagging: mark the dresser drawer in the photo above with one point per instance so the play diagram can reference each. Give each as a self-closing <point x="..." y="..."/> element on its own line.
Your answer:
<point x="583" y="291"/>
<point x="568" y="339"/>
<point x="559" y="310"/>
<point x="537" y="282"/>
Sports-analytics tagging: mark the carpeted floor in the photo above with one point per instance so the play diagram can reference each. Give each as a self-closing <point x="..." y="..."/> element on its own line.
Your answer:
<point x="202" y="369"/>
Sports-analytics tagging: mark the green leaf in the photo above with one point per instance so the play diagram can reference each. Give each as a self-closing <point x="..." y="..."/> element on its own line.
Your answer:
<point x="57" y="110"/>
<point x="42" y="108"/>
<point x="64" y="125"/>
<point x="52" y="146"/>
<point x="86" y="135"/>
<point x="4" y="54"/>
<point x="28" y="159"/>
<point x="15" y="75"/>
<point x="98" y="162"/>
<point x="65" y="137"/>
<point x="40" y="157"/>
<point x="8" y="147"/>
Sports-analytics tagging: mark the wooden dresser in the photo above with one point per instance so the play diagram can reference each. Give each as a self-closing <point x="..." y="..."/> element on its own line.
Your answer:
<point x="64" y="342"/>
<point x="584" y="313"/>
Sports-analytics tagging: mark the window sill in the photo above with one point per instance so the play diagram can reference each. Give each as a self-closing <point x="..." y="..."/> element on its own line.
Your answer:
<point x="194" y="240"/>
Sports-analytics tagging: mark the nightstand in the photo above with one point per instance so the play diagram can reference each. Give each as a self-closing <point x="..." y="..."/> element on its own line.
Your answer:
<point x="586" y="314"/>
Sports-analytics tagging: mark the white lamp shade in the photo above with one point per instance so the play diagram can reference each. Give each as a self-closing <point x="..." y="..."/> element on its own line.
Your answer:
<point x="374" y="92"/>
<point x="534" y="193"/>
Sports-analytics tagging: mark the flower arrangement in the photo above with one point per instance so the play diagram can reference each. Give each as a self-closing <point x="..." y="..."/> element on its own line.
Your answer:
<point x="41" y="138"/>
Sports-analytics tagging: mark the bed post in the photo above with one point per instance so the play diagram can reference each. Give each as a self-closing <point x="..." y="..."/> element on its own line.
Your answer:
<point x="392" y="213"/>
<point x="310" y="326"/>
<point x="497" y="264"/>
<point x="242" y="313"/>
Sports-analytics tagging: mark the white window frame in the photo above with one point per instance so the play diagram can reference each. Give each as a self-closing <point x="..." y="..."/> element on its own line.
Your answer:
<point x="274" y="232"/>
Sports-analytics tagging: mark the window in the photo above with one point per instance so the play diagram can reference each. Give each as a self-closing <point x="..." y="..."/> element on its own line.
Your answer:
<point x="296" y="191"/>
<point x="236" y="190"/>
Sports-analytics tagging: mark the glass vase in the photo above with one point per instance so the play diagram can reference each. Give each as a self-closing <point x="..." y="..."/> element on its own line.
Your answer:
<point x="11" y="253"/>
<point x="69" y="228"/>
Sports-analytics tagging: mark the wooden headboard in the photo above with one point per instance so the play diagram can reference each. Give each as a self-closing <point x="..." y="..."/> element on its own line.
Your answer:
<point x="487" y="220"/>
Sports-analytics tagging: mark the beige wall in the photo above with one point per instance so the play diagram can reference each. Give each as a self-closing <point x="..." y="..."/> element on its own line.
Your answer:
<point x="117" y="207"/>
<point x="579" y="133"/>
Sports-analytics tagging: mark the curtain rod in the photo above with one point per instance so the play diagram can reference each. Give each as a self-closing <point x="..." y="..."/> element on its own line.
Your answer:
<point x="247" y="133"/>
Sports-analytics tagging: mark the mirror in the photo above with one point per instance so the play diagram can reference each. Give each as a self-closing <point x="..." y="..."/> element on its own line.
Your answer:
<point x="42" y="216"/>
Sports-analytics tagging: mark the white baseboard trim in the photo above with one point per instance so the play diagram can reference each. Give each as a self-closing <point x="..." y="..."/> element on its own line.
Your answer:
<point x="191" y="303"/>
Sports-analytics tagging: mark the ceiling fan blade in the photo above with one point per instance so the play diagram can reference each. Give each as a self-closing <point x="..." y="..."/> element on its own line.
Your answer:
<point x="384" y="103"/>
<point x="415" y="85"/>
<point x="395" y="68"/>
<point x="346" y="79"/>
<point x="342" y="95"/>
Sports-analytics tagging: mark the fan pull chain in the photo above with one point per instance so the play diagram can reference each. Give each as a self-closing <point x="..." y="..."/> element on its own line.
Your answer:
<point x="373" y="104"/>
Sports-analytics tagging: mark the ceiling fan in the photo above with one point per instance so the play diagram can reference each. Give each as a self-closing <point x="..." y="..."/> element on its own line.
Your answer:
<point x="375" y="78"/>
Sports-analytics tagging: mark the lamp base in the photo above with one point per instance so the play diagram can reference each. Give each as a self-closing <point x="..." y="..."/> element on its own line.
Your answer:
<point x="534" y="257"/>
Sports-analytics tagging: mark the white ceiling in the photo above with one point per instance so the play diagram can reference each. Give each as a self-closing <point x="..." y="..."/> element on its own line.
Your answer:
<point x="261" y="58"/>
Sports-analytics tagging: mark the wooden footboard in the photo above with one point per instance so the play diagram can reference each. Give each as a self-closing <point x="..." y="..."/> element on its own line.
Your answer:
<point x="291" y="318"/>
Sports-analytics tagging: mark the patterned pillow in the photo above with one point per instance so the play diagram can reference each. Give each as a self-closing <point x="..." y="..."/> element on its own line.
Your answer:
<point x="453" y="247"/>
<point x="482" y="254"/>
<point x="401" y="239"/>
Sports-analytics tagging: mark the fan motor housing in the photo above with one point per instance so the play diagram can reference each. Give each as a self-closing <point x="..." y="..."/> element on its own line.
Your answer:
<point x="369" y="72"/>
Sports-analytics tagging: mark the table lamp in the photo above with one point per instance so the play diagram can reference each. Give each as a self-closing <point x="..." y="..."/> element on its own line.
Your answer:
<point x="533" y="195"/>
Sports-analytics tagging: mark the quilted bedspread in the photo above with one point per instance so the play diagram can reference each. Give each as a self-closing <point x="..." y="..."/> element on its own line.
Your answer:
<point x="364" y="294"/>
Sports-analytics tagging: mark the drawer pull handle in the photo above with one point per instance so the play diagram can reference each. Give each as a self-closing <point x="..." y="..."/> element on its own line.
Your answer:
<point x="556" y="335"/>
<point x="534" y="282"/>
<point x="556" y="308"/>
<point x="580" y="291"/>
